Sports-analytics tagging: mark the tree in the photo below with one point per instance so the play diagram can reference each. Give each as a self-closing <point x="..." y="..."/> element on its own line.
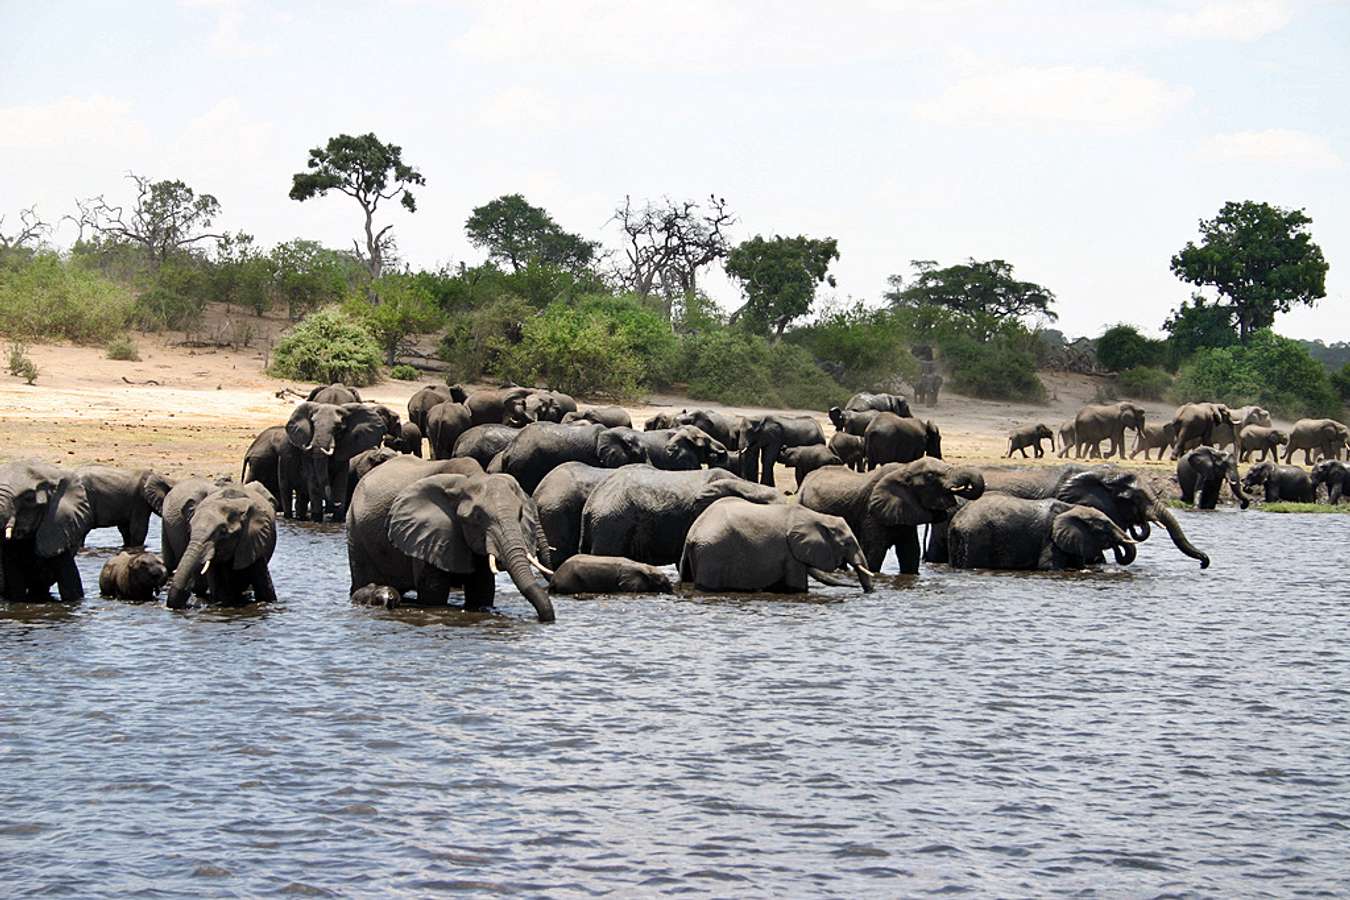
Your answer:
<point x="514" y="232"/>
<point x="165" y="217"/>
<point x="367" y="170"/>
<point x="1122" y="347"/>
<point x="779" y="277"/>
<point x="1260" y="257"/>
<point x="28" y="235"/>
<point x="308" y="274"/>
<point x="666" y="245"/>
<point x="1198" y="325"/>
<point x="986" y="292"/>
<point x="406" y="308"/>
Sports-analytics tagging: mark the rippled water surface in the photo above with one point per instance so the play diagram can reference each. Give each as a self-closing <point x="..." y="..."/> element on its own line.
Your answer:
<point x="1153" y="730"/>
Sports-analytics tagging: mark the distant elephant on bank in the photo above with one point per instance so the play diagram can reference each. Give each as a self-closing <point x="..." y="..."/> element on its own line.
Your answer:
<point x="1107" y="422"/>
<point x="1259" y="437"/>
<point x="885" y="506"/>
<point x="1068" y="439"/>
<point x="1002" y="532"/>
<point x="482" y="443"/>
<point x="1335" y="475"/>
<point x="123" y="499"/>
<point x="1019" y="439"/>
<point x="445" y="423"/>
<point x="336" y="393"/>
<point x="891" y="438"/>
<point x="1196" y="425"/>
<point x="723" y="428"/>
<point x="850" y="448"/>
<point x="328" y="436"/>
<point x="685" y="447"/>
<point x="423" y="526"/>
<point x="763" y="437"/>
<point x="561" y="496"/>
<point x="852" y="421"/>
<point x="644" y="513"/>
<point x="543" y="446"/>
<point x="805" y="460"/>
<point x="422" y="402"/>
<point x="588" y="574"/>
<point x="891" y="403"/>
<point x="927" y="389"/>
<point x="1154" y="437"/>
<point x="737" y="545"/>
<point x="44" y="517"/>
<point x="500" y="407"/>
<point x="1281" y="483"/>
<point x="1202" y="473"/>
<point x="1325" y="436"/>
<point x="608" y="416"/>
<point x="1226" y="433"/>
<point x="217" y="542"/>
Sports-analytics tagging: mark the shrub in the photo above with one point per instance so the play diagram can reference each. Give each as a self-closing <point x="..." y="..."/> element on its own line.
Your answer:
<point x="866" y="348"/>
<point x="403" y="372"/>
<point x="122" y="348"/>
<point x="1004" y="368"/>
<point x="474" y="342"/>
<point x="405" y="308"/>
<point x="1144" y="383"/>
<point x="737" y="368"/>
<point x="176" y="297"/>
<point x="580" y="351"/>
<point x="306" y="275"/>
<point x="45" y="297"/>
<point x="1274" y="371"/>
<point x="328" y="346"/>
<point x="1122" y="347"/>
<point x="1341" y="382"/>
<point x="20" y="364"/>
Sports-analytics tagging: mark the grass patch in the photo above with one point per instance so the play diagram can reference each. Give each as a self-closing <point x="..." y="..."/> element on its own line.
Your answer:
<point x="1286" y="507"/>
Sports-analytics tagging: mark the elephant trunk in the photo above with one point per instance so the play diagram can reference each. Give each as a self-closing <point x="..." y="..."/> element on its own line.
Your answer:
<point x="1140" y="530"/>
<point x="967" y="484"/>
<point x="517" y="563"/>
<point x="1124" y="553"/>
<point x="859" y="565"/>
<point x="1235" y="484"/>
<point x="180" y="589"/>
<point x="6" y="527"/>
<point x="1162" y="514"/>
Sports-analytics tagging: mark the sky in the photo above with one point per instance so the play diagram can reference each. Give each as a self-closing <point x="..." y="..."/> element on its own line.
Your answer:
<point x="1081" y="141"/>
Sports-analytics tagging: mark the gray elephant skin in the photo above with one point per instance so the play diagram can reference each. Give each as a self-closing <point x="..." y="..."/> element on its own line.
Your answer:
<point x="1226" y="433"/>
<point x="763" y="437"/>
<point x="505" y="406"/>
<point x="561" y="496"/>
<point x="1326" y="437"/>
<point x="328" y="436"/>
<point x="609" y="416"/>
<point x="1198" y="424"/>
<point x="124" y="499"/>
<point x="589" y="574"/>
<point x="681" y="448"/>
<point x="543" y="446"/>
<point x="1202" y="472"/>
<point x="1280" y="483"/>
<point x="44" y="517"/>
<point x="1107" y="422"/>
<point x="850" y="448"/>
<point x="891" y="438"/>
<point x="805" y="460"/>
<point x="1335" y="475"/>
<point x="336" y="393"/>
<point x="1002" y="532"/>
<point x="482" y="443"/>
<point x="425" y="399"/>
<point x="1259" y="437"/>
<point x="217" y="542"/>
<point x="278" y="465"/>
<point x="134" y="576"/>
<point x="446" y="423"/>
<point x="1019" y="439"/>
<point x="1158" y="437"/>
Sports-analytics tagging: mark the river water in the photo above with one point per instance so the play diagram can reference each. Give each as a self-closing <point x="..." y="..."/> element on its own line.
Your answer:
<point x="1156" y="730"/>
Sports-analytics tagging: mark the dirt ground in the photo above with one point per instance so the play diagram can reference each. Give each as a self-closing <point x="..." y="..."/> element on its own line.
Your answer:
<point x="207" y="405"/>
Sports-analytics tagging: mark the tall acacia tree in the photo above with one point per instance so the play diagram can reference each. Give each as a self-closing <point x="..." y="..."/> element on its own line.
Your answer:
<point x="1259" y="257"/>
<point x="985" y="291"/>
<point x="367" y="170"/>
<point x="514" y="232"/>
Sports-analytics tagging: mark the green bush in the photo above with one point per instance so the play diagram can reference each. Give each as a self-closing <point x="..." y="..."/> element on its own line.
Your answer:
<point x="475" y="341"/>
<point x="47" y="298"/>
<point x="868" y="349"/>
<point x="1004" y="368"/>
<point x="403" y="372"/>
<point x="328" y="346"/>
<point x="176" y="297"/>
<point x="1270" y="370"/>
<point x="1144" y="383"/>
<point x="20" y="364"/>
<point x="1340" y="381"/>
<point x="404" y="308"/>
<point x="123" y="348"/>
<point x="741" y="369"/>
<point x="1122" y="347"/>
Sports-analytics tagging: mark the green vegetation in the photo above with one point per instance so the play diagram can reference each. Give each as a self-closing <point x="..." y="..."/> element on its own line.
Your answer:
<point x="779" y="278"/>
<point x="1274" y="371"/>
<point x="733" y="367"/>
<point x="122" y="348"/>
<point x="401" y="308"/>
<point x="865" y="349"/>
<point x="20" y="364"/>
<point x="1122" y="347"/>
<point x="403" y="372"/>
<point x="1144" y="383"/>
<point x="513" y="232"/>
<point x="46" y="297"/>
<point x="1289" y="507"/>
<point x="328" y="346"/>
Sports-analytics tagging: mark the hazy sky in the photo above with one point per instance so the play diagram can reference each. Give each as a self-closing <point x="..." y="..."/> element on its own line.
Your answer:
<point x="1079" y="140"/>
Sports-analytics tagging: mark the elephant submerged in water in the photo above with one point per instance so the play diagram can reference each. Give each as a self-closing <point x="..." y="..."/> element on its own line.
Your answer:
<point x="1002" y="532"/>
<point x="589" y="574"/>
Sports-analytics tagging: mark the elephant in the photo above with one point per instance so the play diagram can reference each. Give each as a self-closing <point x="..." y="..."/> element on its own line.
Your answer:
<point x="433" y="395"/>
<point x="543" y="446"/>
<point x="644" y="513"/>
<point x="361" y="465"/>
<point x="588" y="574"/>
<point x="763" y="437"/>
<point x="661" y="421"/>
<point x="445" y="423"/>
<point x="685" y="447"/>
<point x="1107" y="422"/>
<point x="424" y="526"/>
<point x="1203" y="471"/>
<point x="377" y="595"/>
<point x="278" y="465"/>
<point x="850" y="448"/>
<point x="737" y="545"/>
<point x="852" y="421"/>
<point x="1335" y="475"/>
<point x="1263" y="438"/>
<point x="927" y="389"/>
<point x="805" y="460"/>
<point x="1226" y="433"/>
<point x="124" y="499"/>
<point x="891" y="403"/>
<point x="483" y="443"/>
<point x="608" y="416"/>
<point x="336" y="394"/>
<point x="328" y="436"/>
<point x="1029" y="436"/>
<point x="45" y="514"/>
<point x="723" y="428"/>
<point x="133" y="576"/>
<point x="549" y="406"/>
<point x="1196" y="424"/>
<point x="998" y="531"/>
<point x="1154" y="437"/>
<point x="408" y="440"/>
<point x="217" y="542"/>
<point x="1281" y="483"/>
<point x="1327" y="436"/>
<point x="891" y="438"/>
<point x="1068" y="439"/>
<point x="499" y="407"/>
<point x="884" y="506"/>
<point x="561" y="496"/>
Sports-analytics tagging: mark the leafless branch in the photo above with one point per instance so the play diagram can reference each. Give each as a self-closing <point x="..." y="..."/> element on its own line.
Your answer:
<point x="31" y="228"/>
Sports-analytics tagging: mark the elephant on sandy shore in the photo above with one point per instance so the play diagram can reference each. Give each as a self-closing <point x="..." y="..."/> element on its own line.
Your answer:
<point x="1019" y="439"/>
<point x="850" y="448"/>
<point x="1107" y="422"/>
<point x="1068" y="440"/>
<point x="1226" y="433"/>
<point x="998" y="531"/>
<point x="1259" y="437"/>
<point x="891" y="438"/>
<point x="1202" y="472"/>
<point x="721" y="427"/>
<point x="1197" y="424"/>
<point x="1280" y="483"/>
<point x="1157" y="436"/>
<point x="505" y="406"/>
<point x="1326" y="437"/>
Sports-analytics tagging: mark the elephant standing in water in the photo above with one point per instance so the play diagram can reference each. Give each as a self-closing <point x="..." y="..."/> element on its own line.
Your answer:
<point x="278" y="465"/>
<point x="561" y="497"/>
<point x="1281" y="483"/>
<point x="424" y="526"/>
<point x="217" y="542"/>
<point x="1325" y="436"/>
<point x="805" y="460"/>
<point x="1002" y="532"/>
<point x="124" y="499"/>
<point x="885" y="506"/>
<point x="329" y="435"/>
<point x="1203" y="472"/>
<point x="543" y="446"/>
<point x="1107" y="422"/>
<point x="44" y="517"/>
<point x="1335" y="475"/>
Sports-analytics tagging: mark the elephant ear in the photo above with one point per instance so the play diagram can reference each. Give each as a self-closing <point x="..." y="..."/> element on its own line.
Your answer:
<point x="363" y="427"/>
<point x="423" y="523"/>
<point x="734" y="487"/>
<point x="300" y="427"/>
<point x="154" y="489"/>
<point x="1089" y="488"/>
<point x="356" y="394"/>
<point x="262" y="494"/>
<point x="68" y="518"/>
<point x="893" y="500"/>
<point x="811" y="541"/>
<point x="259" y="537"/>
<point x="1071" y="535"/>
<point x="315" y="391"/>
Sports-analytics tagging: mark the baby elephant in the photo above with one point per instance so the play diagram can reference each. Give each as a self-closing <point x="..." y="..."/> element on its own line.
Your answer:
<point x="805" y="460"/>
<point x="377" y="595"/>
<point x="850" y="448"/>
<point x="1289" y="483"/>
<point x="1002" y="532"/>
<point x="131" y="575"/>
<point x="586" y="573"/>
<point x="1030" y="436"/>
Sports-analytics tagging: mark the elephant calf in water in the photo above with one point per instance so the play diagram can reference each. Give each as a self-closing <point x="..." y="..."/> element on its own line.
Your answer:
<point x="588" y="574"/>
<point x="133" y="576"/>
<point x="1002" y="532"/>
<point x="1281" y="483"/>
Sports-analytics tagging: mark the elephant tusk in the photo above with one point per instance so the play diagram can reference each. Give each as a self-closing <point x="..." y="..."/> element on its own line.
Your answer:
<point x="492" y="564"/>
<point x="9" y="530"/>
<point x="327" y="451"/>
<point x="206" y="565"/>
<point x="548" y="573"/>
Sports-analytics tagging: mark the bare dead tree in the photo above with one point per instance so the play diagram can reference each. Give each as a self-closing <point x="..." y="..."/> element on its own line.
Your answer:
<point x="666" y="244"/>
<point x="165" y="217"/>
<point x="31" y="231"/>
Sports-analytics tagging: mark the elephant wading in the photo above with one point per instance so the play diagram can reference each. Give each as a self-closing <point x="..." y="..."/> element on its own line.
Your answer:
<point x="1002" y="532"/>
<point x="1019" y="439"/>
<point x="1107" y="422"/>
<point x="805" y="460"/>
<point x="763" y="437"/>
<point x="217" y="542"/>
<point x="891" y="438"/>
<point x="736" y="545"/>
<point x="1202" y="473"/>
<point x="278" y="465"/>
<point x="1281" y="483"/>
<point x="44" y="517"/>
<point x="1325" y="436"/>
<point x="1335" y="475"/>
<point x="429" y="526"/>
<point x="644" y="513"/>
<point x="885" y="506"/>
<point x="543" y="446"/>
<point x="561" y="497"/>
<point x="329" y="435"/>
<point x="124" y="499"/>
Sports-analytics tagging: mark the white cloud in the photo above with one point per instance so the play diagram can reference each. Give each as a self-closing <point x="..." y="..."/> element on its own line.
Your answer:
<point x="69" y="121"/>
<point x="230" y="38"/>
<point x="1072" y="95"/>
<point x="1274" y="145"/>
<point x="1234" y="20"/>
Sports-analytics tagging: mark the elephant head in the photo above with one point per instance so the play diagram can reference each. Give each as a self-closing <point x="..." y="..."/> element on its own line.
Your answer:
<point x="692" y="445"/>
<point x="338" y="431"/>
<point x="515" y="408"/>
<point x="1333" y="473"/>
<point x="393" y="425"/>
<point x="1132" y="416"/>
<point x="1259" y="474"/>
<point x="1129" y="503"/>
<point x="231" y="526"/>
<point x="543" y="407"/>
<point x="837" y="418"/>
<point x="1083" y="532"/>
<point x="457" y="393"/>
<point x="43" y="502"/>
<point x="1211" y="464"/>
<point x="932" y="440"/>
<point x="154" y="488"/>
<point x="459" y="523"/>
<point x="926" y="490"/>
<point x="1043" y="432"/>
<point x="825" y="544"/>
<point x="618" y="447"/>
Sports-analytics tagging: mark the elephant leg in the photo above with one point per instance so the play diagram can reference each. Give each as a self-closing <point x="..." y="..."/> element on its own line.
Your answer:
<point x="220" y="587"/>
<point x="1023" y="451"/>
<point x="770" y="452"/>
<point x="135" y="531"/>
<point x="261" y="579"/>
<point x="433" y="586"/>
<point x="750" y="463"/>
<point x="68" y="578"/>
<point x="907" y="550"/>
<point x="480" y="587"/>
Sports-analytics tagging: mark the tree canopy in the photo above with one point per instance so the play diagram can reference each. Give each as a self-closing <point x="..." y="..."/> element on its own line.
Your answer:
<point x="985" y="291"/>
<point x="367" y="170"/>
<point x="667" y="243"/>
<point x="166" y="216"/>
<point x="1259" y="257"/>
<point x="779" y="276"/>
<point x="514" y="232"/>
